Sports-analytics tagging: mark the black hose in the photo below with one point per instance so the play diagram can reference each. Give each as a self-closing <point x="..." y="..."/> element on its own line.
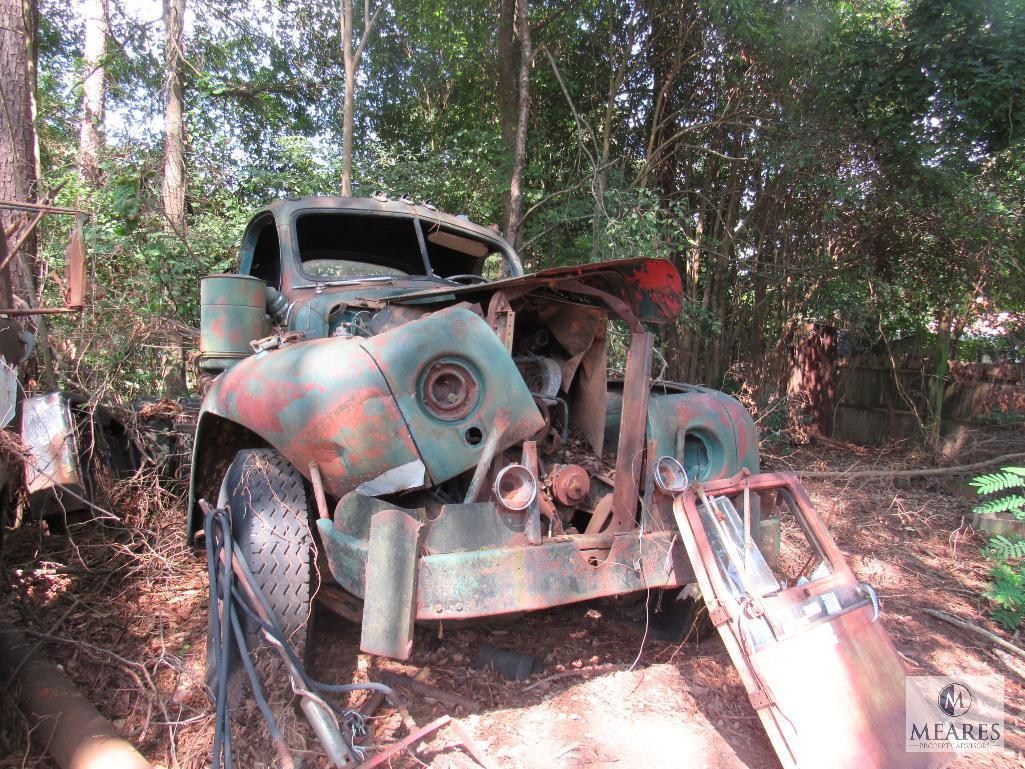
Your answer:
<point x="225" y="631"/>
<point x="261" y="701"/>
<point x="222" y="725"/>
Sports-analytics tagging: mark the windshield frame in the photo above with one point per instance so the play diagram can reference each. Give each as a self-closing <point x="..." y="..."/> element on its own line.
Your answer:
<point x="496" y="246"/>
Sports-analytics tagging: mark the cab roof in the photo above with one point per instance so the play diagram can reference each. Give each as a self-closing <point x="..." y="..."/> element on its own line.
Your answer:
<point x="284" y="209"/>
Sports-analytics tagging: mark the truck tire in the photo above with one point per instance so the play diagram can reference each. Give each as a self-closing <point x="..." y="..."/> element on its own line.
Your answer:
<point x="266" y="497"/>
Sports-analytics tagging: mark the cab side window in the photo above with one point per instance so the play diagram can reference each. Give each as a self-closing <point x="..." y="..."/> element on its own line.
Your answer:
<point x="264" y="259"/>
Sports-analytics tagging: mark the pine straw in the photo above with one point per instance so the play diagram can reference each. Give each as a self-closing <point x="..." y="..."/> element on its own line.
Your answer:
<point x="120" y="602"/>
<point x="122" y="606"/>
<point x="111" y="600"/>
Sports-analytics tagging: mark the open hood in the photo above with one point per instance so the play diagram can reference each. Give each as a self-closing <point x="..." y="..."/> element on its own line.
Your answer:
<point x="650" y="287"/>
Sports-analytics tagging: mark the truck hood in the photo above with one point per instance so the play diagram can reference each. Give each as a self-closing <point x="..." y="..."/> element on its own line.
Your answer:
<point x="650" y="287"/>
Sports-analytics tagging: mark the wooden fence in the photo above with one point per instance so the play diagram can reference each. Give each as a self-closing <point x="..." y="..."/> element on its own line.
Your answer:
<point x="876" y="403"/>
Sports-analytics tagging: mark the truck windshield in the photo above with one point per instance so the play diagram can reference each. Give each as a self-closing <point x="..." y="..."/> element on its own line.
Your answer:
<point x="341" y="245"/>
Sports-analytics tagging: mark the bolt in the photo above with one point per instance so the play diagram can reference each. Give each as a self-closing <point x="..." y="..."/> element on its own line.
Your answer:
<point x="439" y="608"/>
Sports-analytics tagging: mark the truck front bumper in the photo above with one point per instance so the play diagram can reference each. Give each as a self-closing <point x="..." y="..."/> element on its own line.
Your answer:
<point x="505" y="580"/>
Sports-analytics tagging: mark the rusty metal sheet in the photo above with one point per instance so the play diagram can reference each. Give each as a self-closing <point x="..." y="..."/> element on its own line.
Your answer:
<point x="629" y="454"/>
<point x="589" y="396"/>
<point x="822" y="675"/>
<point x="532" y="524"/>
<point x="651" y="287"/>
<point x="472" y="527"/>
<point x="504" y="580"/>
<point x="74" y="298"/>
<point x="355" y="511"/>
<point x="322" y="401"/>
<point x="48" y="430"/>
<point x="458" y="527"/>
<point x="8" y="392"/>
<point x="346" y="556"/>
<point x="502" y="319"/>
<point x="454" y="338"/>
<point x="389" y="602"/>
<point x="710" y="420"/>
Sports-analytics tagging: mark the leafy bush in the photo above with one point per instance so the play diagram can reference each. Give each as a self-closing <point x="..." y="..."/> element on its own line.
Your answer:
<point x="1006" y="492"/>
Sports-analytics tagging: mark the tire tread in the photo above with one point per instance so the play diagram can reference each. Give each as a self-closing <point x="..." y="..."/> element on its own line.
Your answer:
<point x="269" y="510"/>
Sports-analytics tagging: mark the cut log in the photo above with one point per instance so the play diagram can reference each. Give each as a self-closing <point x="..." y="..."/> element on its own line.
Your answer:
<point x="63" y="722"/>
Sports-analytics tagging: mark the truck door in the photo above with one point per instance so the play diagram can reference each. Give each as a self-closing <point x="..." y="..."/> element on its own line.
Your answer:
<point x="818" y="667"/>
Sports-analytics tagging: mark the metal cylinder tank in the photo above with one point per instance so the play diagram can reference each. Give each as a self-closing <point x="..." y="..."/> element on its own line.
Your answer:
<point x="233" y="312"/>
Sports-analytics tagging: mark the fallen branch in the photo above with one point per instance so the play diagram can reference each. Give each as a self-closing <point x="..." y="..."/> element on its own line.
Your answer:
<point x="916" y="473"/>
<point x="573" y="674"/>
<point x="860" y="450"/>
<point x="426" y="690"/>
<point x="1005" y="645"/>
<point x="414" y="736"/>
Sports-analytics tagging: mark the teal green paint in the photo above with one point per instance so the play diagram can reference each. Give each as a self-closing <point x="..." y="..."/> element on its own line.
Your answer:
<point x="232" y="314"/>
<point x="456" y="334"/>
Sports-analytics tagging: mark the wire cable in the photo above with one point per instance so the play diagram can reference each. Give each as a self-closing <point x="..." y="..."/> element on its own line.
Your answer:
<point x="234" y="593"/>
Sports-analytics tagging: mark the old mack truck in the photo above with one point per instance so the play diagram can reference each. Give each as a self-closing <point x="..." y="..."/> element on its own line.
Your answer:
<point x="397" y="413"/>
<point x="472" y="452"/>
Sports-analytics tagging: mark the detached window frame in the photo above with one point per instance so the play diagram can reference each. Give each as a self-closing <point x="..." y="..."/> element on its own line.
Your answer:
<point x="774" y="615"/>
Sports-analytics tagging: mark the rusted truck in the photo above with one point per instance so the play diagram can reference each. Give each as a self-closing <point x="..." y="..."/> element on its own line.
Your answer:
<point x="453" y="446"/>
<point x="395" y="407"/>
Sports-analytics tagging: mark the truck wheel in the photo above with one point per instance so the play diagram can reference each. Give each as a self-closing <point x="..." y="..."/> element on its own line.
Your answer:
<point x="266" y="498"/>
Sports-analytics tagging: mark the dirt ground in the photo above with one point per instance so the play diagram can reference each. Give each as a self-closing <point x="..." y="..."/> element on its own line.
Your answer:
<point x="123" y="610"/>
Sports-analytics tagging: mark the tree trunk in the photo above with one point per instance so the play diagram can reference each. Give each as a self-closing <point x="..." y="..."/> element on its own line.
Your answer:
<point x="937" y="387"/>
<point x="350" y="60"/>
<point x="17" y="135"/>
<point x="18" y="179"/>
<point x="508" y="113"/>
<point x="508" y="91"/>
<point x="90" y="137"/>
<point x="19" y="157"/>
<point x="348" y="104"/>
<point x="515" y="213"/>
<point x="173" y="188"/>
<point x="349" y="97"/>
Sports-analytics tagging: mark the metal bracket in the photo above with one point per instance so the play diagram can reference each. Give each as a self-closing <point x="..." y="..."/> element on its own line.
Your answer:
<point x="760" y="698"/>
<point x="719" y="616"/>
<point x="501" y="318"/>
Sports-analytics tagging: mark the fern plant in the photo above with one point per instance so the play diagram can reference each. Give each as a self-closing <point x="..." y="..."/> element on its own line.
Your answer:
<point x="1006" y="591"/>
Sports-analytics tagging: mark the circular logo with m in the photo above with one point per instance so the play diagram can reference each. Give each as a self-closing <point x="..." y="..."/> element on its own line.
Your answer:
<point x="955" y="700"/>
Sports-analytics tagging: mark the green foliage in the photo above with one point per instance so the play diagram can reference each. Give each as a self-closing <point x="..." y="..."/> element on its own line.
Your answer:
<point x="857" y="164"/>
<point x="991" y="483"/>
<point x="1013" y="503"/>
<point x="1001" y="548"/>
<point x="1006" y="591"/>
